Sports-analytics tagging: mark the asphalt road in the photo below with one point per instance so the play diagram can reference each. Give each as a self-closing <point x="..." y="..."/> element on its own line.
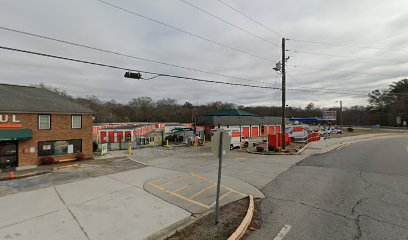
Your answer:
<point x="357" y="192"/>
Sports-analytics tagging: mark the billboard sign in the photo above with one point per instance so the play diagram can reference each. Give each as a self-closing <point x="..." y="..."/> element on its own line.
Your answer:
<point x="329" y="115"/>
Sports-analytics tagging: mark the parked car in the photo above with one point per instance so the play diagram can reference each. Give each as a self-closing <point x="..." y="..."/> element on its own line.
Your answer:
<point x="336" y="131"/>
<point x="331" y="131"/>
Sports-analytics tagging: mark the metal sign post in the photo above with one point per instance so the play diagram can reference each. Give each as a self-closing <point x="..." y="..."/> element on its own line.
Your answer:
<point x="220" y="146"/>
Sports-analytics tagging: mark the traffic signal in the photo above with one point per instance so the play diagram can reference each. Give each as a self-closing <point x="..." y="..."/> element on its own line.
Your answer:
<point x="129" y="138"/>
<point x="133" y="75"/>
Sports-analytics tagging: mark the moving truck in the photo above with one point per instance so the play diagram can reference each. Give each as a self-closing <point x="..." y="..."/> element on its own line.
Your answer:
<point x="236" y="142"/>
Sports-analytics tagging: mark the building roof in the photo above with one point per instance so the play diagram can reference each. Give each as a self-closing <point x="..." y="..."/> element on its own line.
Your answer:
<point x="237" y="121"/>
<point x="228" y="112"/>
<point x="25" y="99"/>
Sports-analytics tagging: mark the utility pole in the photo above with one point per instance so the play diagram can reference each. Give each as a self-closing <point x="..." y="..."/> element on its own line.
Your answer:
<point x="283" y="95"/>
<point x="341" y="115"/>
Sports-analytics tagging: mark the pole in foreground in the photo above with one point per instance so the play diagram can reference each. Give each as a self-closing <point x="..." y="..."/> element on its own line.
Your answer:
<point x="220" y="143"/>
<point x="283" y="95"/>
<point x="217" y="201"/>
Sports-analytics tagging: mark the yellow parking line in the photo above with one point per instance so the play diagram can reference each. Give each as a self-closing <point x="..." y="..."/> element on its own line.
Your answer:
<point x="211" y="181"/>
<point x="172" y="177"/>
<point x="235" y="191"/>
<point x="189" y="200"/>
<point x="179" y="179"/>
<point x="180" y="196"/>
<point x="223" y="196"/>
<point x="156" y="186"/>
<point x="204" y="190"/>
<point x="187" y="186"/>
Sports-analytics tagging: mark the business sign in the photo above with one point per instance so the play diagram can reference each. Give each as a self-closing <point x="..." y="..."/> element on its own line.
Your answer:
<point x="329" y="115"/>
<point x="9" y="121"/>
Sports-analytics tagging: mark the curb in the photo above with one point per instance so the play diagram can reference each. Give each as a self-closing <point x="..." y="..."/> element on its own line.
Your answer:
<point x="66" y="167"/>
<point x="31" y="174"/>
<point x="173" y="228"/>
<point x="240" y="231"/>
<point x="303" y="149"/>
<point x="273" y="153"/>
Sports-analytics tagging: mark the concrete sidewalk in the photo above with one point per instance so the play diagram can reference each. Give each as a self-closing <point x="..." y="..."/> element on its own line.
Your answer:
<point x="107" y="207"/>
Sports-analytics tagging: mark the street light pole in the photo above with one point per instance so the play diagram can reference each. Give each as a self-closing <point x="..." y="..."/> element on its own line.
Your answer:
<point x="341" y="114"/>
<point x="283" y="95"/>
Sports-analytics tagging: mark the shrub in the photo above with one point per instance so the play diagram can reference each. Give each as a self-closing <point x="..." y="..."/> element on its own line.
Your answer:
<point x="95" y="146"/>
<point x="259" y="149"/>
<point x="47" y="160"/>
<point x="80" y="156"/>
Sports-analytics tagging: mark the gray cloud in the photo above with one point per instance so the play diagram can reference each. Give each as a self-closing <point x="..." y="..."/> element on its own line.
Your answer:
<point x="360" y="23"/>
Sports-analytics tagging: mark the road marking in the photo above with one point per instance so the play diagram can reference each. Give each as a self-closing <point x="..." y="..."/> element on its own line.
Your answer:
<point x="179" y="196"/>
<point x="223" y="196"/>
<point x="179" y="179"/>
<point x="211" y="181"/>
<point x="172" y="177"/>
<point x="194" y="178"/>
<point x="188" y="185"/>
<point x="407" y="147"/>
<point x="283" y="232"/>
<point x="204" y="190"/>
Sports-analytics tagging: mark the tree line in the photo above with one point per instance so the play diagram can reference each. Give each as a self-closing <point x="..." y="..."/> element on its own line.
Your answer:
<point x="383" y="108"/>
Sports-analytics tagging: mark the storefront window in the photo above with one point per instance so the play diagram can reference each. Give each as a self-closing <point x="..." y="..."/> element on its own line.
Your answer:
<point x="59" y="147"/>
<point x="76" y="121"/>
<point x="44" y="121"/>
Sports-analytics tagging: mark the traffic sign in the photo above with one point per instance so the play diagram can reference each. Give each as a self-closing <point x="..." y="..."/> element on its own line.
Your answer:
<point x="216" y="143"/>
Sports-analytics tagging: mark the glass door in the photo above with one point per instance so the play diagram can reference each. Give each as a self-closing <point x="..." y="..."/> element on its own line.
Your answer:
<point x="8" y="155"/>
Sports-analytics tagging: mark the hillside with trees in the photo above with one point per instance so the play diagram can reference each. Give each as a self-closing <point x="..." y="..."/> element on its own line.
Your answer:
<point x="383" y="108"/>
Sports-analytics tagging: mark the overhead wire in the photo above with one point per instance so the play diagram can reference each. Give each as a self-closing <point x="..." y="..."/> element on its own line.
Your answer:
<point x="250" y="18"/>
<point x="345" y="45"/>
<point x="185" y="31"/>
<point x="134" y="70"/>
<point x="156" y="73"/>
<point x="341" y="70"/>
<point x="124" y="55"/>
<point x="229" y="23"/>
<point x="341" y="56"/>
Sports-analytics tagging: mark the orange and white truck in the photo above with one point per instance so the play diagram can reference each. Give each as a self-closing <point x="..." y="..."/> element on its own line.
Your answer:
<point x="237" y="139"/>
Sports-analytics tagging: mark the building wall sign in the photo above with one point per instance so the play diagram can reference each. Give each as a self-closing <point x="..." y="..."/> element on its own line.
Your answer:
<point x="9" y="121"/>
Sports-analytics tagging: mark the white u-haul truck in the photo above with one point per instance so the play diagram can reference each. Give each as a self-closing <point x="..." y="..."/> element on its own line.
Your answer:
<point x="236" y="142"/>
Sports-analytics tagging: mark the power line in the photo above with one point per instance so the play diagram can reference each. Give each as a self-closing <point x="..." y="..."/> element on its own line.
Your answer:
<point x="229" y="23"/>
<point x="345" y="45"/>
<point x="250" y="18"/>
<point x="340" y="70"/>
<point x="336" y="90"/>
<point x="125" y="55"/>
<point x="160" y="74"/>
<point x="134" y="70"/>
<point x="342" y="56"/>
<point x="329" y="89"/>
<point x="185" y="32"/>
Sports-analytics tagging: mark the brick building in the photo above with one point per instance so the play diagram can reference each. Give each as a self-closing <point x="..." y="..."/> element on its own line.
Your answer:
<point x="36" y="122"/>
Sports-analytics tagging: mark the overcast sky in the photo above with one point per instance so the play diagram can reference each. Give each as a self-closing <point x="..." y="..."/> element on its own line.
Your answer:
<point x="363" y="23"/>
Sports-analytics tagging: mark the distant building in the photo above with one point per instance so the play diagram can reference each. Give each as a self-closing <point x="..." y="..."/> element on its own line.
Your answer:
<point x="36" y="122"/>
<point x="248" y="124"/>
